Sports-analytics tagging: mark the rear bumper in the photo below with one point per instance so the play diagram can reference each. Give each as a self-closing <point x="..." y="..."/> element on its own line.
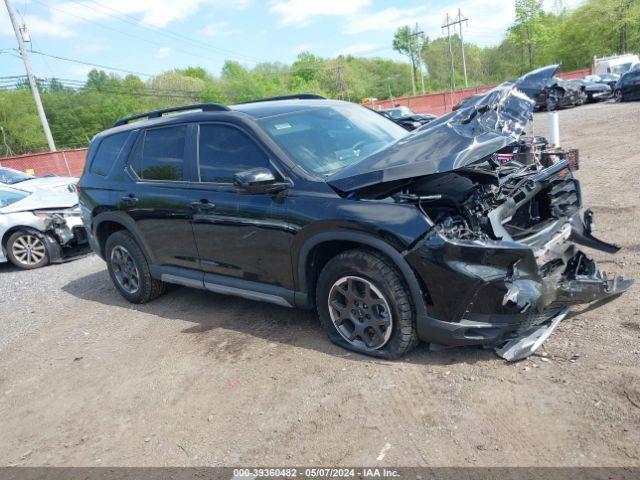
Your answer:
<point x="491" y="292"/>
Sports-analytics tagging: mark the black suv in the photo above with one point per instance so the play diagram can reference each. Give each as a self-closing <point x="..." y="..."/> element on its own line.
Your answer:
<point x="313" y="203"/>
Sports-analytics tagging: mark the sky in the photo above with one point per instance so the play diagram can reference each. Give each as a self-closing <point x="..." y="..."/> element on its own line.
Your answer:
<point x="152" y="36"/>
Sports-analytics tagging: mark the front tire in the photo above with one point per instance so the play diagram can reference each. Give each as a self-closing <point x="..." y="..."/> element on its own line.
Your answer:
<point x="618" y="96"/>
<point x="27" y="250"/>
<point x="129" y="269"/>
<point x="364" y="305"/>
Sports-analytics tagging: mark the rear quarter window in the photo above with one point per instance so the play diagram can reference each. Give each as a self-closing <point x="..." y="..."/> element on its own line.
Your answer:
<point x="107" y="153"/>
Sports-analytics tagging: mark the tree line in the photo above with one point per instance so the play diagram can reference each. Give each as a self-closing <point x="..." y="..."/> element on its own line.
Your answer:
<point x="77" y="111"/>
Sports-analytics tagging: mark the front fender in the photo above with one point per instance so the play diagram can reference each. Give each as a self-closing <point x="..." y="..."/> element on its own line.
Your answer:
<point x="363" y="239"/>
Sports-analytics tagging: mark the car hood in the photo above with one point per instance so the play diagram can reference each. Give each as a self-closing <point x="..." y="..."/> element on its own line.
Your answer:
<point x="42" y="200"/>
<point x="597" y="87"/>
<point x="471" y="133"/>
<point x="48" y="183"/>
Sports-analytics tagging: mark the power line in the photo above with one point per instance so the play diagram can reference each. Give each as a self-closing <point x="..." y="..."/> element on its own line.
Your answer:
<point x="82" y="62"/>
<point x="169" y="33"/>
<point x="317" y="68"/>
<point x="117" y="31"/>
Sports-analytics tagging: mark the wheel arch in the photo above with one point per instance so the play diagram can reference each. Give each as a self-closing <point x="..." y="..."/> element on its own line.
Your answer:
<point x="105" y="224"/>
<point x="319" y="249"/>
<point x="54" y="251"/>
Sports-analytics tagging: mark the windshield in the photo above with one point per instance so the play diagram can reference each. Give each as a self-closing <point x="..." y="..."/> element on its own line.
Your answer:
<point x="620" y="69"/>
<point x="327" y="139"/>
<point x="7" y="197"/>
<point x="9" y="176"/>
<point x="399" y="112"/>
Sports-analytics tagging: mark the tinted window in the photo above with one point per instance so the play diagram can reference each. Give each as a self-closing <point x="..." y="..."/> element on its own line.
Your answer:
<point x="160" y="154"/>
<point x="224" y="151"/>
<point x="107" y="153"/>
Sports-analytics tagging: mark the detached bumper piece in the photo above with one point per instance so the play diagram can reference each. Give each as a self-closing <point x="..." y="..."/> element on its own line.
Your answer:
<point x="525" y="345"/>
<point x="587" y="284"/>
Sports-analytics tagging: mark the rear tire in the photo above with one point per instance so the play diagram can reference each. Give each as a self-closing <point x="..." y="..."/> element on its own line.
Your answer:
<point x="26" y="250"/>
<point x="371" y="309"/>
<point x="129" y="269"/>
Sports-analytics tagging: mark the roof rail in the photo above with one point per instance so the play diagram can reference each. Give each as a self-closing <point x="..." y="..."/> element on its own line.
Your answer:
<point x="299" y="96"/>
<point x="205" y="107"/>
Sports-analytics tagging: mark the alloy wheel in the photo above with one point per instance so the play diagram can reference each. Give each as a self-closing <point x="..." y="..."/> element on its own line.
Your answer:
<point x="124" y="269"/>
<point x="29" y="249"/>
<point x="360" y="312"/>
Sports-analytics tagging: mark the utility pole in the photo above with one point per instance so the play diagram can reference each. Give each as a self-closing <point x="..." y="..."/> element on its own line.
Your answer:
<point x="459" y="20"/>
<point x="32" y="82"/>
<point x="448" y="24"/>
<point x="418" y="64"/>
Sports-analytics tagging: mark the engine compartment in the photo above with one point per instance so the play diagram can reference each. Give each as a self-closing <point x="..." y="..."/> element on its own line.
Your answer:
<point x="510" y="195"/>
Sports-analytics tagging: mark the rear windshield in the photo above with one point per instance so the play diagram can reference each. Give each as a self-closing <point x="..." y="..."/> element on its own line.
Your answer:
<point x="7" y="197"/>
<point x="326" y="139"/>
<point x="9" y="176"/>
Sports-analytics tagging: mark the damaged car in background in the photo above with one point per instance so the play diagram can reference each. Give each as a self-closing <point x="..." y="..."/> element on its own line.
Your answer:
<point x="595" y="91"/>
<point x="39" y="227"/>
<point x="407" y="118"/>
<point x="25" y="181"/>
<point x="560" y="93"/>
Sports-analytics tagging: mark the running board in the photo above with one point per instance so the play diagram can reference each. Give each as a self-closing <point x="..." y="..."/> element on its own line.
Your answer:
<point x="231" y="286"/>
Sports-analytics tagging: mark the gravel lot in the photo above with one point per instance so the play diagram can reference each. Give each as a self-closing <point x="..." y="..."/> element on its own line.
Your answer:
<point x="196" y="378"/>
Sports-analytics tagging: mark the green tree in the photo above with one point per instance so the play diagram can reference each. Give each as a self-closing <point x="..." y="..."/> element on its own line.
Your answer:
<point x="408" y="42"/>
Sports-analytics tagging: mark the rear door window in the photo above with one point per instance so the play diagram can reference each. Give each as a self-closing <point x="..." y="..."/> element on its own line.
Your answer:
<point x="160" y="154"/>
<point x="224" y="150"/>
<point x="108" y="151"/>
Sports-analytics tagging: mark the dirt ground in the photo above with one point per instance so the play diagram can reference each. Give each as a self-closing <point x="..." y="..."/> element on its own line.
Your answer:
<point x="196" y="378"/>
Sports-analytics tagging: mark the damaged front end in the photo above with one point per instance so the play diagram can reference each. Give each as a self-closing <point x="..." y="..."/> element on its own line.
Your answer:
<point x="63" y="233"/>
<point x="501" y="265"/>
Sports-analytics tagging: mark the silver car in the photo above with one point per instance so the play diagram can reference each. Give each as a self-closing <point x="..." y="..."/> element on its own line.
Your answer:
<point x="40" y="227"/>
<point x="24" y="181"/>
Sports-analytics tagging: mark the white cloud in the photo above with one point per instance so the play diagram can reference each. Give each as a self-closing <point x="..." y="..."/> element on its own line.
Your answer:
<point x="488" y="20"/>
<point x="357" y="48"/>
<point x="302" y="12"/>
<point x="386" y="20"/>
<point x="303" y="47"/>
<point x="63" y="17"/>
<point x="219" y="29"/>
<point x="213" y="29"/>
<point x="163" y="52"/>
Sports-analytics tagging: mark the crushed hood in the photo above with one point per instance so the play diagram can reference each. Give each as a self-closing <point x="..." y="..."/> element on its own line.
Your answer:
<point x="476" y="130"/>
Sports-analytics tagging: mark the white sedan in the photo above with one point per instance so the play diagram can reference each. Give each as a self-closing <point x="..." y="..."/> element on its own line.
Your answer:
<point x="40" y="227"/>
<point x="24" y="181"/>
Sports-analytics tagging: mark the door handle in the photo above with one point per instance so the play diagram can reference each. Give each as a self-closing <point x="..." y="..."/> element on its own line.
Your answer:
<point x="129" y="200"/>
<point x="203" y="206"/>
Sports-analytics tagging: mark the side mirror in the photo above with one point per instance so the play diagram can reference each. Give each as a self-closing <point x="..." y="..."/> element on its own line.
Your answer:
<point x="258" y="181"/>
